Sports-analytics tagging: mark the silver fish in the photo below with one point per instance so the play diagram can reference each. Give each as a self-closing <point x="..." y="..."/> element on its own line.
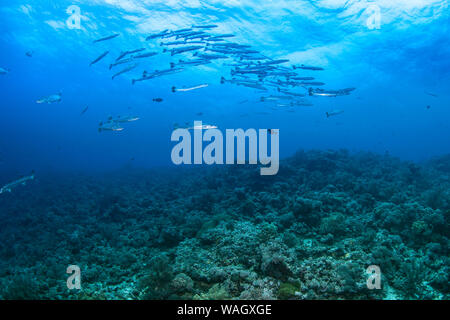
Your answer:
<point x="302" y="78"/>
<point x="4" y="71"/>
<point x="107" y="38"/>
<point x="182" y="50"/>
<point x="197" y="62"/>
<point x="99" y="58"/>
<point x="279" y="61"/>
<point x="334" y="113"/>
<point x="209" y="56"/>
<point x="303" y="67"/>
<point x="127" y="69"/>
<point x="276" y="98"/>
<point x="147" y="76"/>
<point x="157" y="35"/>
<point x="295" y="94"/>
<point x="174" y="89"/>
<point x="110" y="127"/>
<point x="120" y="119"/>
<point x="145" y="55"/>
<point x="22" y="181"/>
<point x="54" y="98"/>
<point x="223" y="36"/>
<point x="125" y="53"/>
<point x="330" y="93"/>
<point x="173" y="43"/>
<point x="121" y="62"/>
<point x="303" y="83"/>
<point x="210" y="26"/>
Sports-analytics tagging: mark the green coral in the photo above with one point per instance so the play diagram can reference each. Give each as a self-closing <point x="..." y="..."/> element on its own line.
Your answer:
<point x="216" y="292"/>
<point x="287" y="291"/>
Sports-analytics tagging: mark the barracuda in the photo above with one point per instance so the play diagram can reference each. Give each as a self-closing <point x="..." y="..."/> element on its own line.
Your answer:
<point x="20" y="182"/>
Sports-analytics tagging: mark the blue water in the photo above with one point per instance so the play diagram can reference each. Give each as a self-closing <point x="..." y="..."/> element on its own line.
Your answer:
<point x="101" y="201"/>
<point x="392" y="68"/>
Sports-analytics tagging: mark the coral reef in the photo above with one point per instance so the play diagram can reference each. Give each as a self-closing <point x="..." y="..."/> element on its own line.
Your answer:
<point x="228" y="233"/>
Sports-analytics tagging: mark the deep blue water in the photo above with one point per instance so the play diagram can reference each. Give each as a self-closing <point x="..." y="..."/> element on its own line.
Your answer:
<point x="392" y="68"/>
<point x="310" y="232"/>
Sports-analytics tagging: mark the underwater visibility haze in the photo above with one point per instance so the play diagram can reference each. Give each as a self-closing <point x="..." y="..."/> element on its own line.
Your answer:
<point x="354" y="94"/>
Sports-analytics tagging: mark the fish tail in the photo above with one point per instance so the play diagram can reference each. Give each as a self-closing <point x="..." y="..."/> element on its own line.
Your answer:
<point x="174" y="89"/>
<point x="328" y="115"/>
<point x="222" y="80"/>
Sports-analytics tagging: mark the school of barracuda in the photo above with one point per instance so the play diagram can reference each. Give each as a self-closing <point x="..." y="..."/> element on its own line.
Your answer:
<point x="283" y="85"/>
